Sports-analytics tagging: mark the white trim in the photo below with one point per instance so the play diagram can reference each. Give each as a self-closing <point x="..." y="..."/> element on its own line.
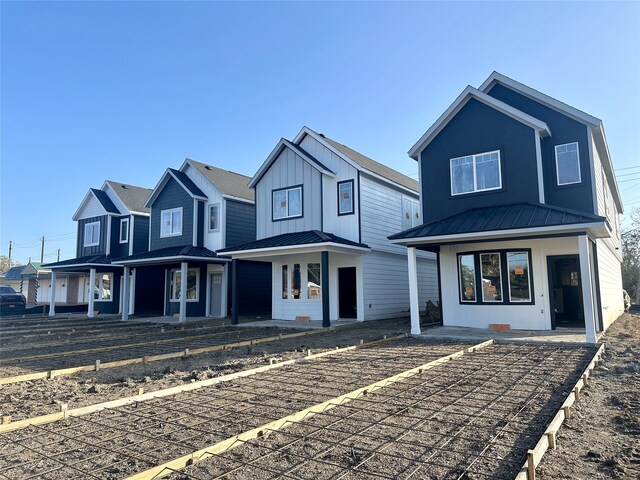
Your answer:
<point x="414" y="303"/>
<point x="475" y="177"/>
<point x="145" y="261"/>
<point x="467" y="94"/>
<point x="587" y="289"/>
<point x="90" y="299"/>
<point x="555" y="150"/>
<point x="308" y="247"/>
<point x="101" y="282"/>
<point x="123" y="220"/>
<point x="172" y="281"/>
<point x="108" y="240"/>
<point x="592" y="173"/>
<point x="238" y="199"/>
<point x="539" y="170"/>
<point x="52" y="299"/>
<point x="84" y="239"/>
<point x="131" y="237"/>
<point x="61" y="267"/>
<point x="194" y="239"/>
<point x="208" y="216"/>
<point x="171" y="210"/>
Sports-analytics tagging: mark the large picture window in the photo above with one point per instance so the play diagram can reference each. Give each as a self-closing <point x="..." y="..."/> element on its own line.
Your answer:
<point x="519" y="281"/>
<point x="92" y="234"/>
<point x="287" y="203"/>
<point x="171" y="222"/>
<point x="102" y="287"/>
<point x="491" y="277"/>
<point x="567" y="164"/>
<point x="475" y="173"/>
<point x="345" y="198"/>
<point x="193" y="276"/>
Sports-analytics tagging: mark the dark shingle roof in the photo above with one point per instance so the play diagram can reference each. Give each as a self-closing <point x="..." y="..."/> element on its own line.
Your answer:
<point x="99" y="259"/>
<point x="504" y="217"/>
<point x="373" y="166"/>
<point x="294" y="239"/>
<point x="179" y="251"/>
<point x="14" y="273"/>
<point x="228" y="182"/>
<point x="132" y="196"/>
<point x="105" y="201"/>
<point x="188" y="183"/>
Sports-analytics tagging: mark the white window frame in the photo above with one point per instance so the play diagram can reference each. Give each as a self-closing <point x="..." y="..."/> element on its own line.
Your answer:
<point x="475" y="177"/>
<point x="171" y="211"/>
<point x="172" y="284"/>
<point x="558" y="171"/>
<point x="287" y="191"/>
<point x="100" y="288"/>
<point x="96" y="241"/>
<point x="124" y="221"/>
<point x="211" y="205"/>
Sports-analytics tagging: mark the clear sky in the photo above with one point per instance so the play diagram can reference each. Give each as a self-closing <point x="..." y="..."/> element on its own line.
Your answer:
<point x="121" y="91"/>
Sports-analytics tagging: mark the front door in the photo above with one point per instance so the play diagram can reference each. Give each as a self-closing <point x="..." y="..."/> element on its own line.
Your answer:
<point x="72" y="290"/>
<point x="215" y="295"/>
<point x="565" y="291"/>
<point x="347" y="296"/>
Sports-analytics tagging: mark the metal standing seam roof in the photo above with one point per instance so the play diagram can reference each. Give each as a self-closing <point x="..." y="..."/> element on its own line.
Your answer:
<point x="100" y="259"/>
<point x="228" y="182"/>
<point x="309" y="237"/>
<point x="179" y="251"/>
<point x="105" y="201"/>
<point x="132" y="196"/>
<point x="504" y="217"/>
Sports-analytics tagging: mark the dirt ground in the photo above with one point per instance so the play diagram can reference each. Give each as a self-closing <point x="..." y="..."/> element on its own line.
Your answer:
<point x="602" y="438"/>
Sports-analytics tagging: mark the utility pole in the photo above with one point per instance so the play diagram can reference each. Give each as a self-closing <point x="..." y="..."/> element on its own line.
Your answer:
<point x="58" y="255"/>
<point x="42" y="250"/>
<point x="10" y="246"/>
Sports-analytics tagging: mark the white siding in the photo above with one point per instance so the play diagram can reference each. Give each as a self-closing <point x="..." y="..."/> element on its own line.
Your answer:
<point x="91" y="208"/>
<point x="610" y="283"/>
<point x="212" y="240"/>
<point x="605" y="201"/>
<point x="387" y="284"/>
<point x="288" y="170"/>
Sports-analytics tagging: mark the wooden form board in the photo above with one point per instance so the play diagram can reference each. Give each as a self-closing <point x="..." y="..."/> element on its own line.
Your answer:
<point x="237" y="440"/>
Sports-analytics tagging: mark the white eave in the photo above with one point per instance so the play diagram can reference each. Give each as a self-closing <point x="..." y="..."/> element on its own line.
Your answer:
<point x="84" y="200"/>
<point x="296" y="249"/>
<point x="466" y="95"/>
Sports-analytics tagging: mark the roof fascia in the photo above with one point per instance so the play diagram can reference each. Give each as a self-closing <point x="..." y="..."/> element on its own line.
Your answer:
<point x="161" y="184"/>
<point x="84" y="200"/>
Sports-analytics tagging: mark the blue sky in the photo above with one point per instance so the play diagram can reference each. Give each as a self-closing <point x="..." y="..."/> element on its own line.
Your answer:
<point x="99" y="90"/>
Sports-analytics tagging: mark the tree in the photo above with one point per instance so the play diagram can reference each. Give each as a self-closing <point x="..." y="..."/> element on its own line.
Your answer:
<point x="5" y="264"/>
<point x="631" y="256"/>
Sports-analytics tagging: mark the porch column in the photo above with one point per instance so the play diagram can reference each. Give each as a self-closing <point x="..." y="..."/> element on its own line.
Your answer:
<point x="92" y="288"/>
<point x="183" y="292"/>
<point x="324" y="288"/>
<point x="234" y="292"/>
<point x="52" y="300"/>
<point x="413" y="291"/>
<point x="125" y="294"/>
<point x="587" y="289"/>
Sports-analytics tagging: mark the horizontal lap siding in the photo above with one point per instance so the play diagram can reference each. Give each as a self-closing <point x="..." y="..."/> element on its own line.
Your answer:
<point x="140" y="234"/>
<point x="610" y="284"/>
<point x="240" y="221"/>
<point x="119" y="249"/>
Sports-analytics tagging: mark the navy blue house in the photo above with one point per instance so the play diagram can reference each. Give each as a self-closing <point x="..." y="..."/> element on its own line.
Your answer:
<point x="112" y="222"/>
<point x="519" y="201"/>
<point x="195" y="211"/>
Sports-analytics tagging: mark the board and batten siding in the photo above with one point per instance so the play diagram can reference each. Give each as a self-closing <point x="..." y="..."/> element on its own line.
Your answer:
<point x="240" y="221"/>
<point x="172" y="196"/>
<point x="610" y="278"/>
<point x="83" y="251"/>
<point x="386" y="279"/>
<point x="289" y="170"/>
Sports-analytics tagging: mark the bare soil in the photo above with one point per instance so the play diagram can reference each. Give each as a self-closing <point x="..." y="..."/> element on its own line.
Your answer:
<point x="602" y="438"/>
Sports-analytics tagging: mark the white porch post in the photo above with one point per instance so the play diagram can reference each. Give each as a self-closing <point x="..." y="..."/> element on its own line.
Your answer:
<point x="52" y="300"/>
<point x="183" y="292"/>
<point x="125" y="294"/>
<point x="413" y="291"/>
<point x="92" y="290"/>
<point x="587" y="289"/>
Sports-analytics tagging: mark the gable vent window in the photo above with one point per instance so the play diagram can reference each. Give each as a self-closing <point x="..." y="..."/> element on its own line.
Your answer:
<point x="567" y="164"/>
<point x="92" y="234"/>
<point x="475" y="173"/>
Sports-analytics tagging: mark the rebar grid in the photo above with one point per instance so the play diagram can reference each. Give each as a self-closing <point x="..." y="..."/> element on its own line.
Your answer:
<point x="163" y="427"/>
<point x="416" y="449"/>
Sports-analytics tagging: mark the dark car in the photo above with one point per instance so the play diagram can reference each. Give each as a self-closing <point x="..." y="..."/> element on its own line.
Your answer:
<point x="11" y="300"/>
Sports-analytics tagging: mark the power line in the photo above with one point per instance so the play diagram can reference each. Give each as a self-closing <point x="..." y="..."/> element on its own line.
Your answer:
<point x="627" y="168"/>
<point x="629" y="180"/>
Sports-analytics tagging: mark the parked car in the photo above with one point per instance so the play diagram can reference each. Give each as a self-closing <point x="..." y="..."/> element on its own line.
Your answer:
<point x="627" y="300"/>
<point x="10" y="299"/>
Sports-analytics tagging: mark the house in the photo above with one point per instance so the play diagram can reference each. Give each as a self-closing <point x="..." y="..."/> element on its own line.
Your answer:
<point x="32" y="281"/>
<point x="323" y="214"/>
<point x="195" y="211"/>
<point x="112" y="222"/>
<point x="520" y="204"/>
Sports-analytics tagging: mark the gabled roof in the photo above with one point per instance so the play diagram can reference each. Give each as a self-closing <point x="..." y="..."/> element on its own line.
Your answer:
<point x="102" y="198"/>
<point x="89" y="260"/>
<point x="181" y="252"/>
<point x="132" y="197"/>
<point x="281" y="145"/>
<point x="466" y="95"/>
<point x="310" y="237"/>
<point x="229" y="183"/>
<point x="500" y="218"/>
<point x="182" y="179"/>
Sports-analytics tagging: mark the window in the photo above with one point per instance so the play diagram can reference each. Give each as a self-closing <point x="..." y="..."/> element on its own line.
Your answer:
<point x="124" y="230"/>
<point x="214" y="217"/>
<point x="475" y="173"/>
<point x="519" y="288"/>
<point x="171" y="222"/>
<point x="345" y="198"/>
<point x="567" y="164"/>
<point x="193" y="276"/>
<point x="415" y="214"/>
<point x="491" y="277"/>
<point x="285" y="282"/>
<point x="313" y="281"/>
<point x="92" y="234"/>
<point x="467" y="274"/>
<point x="296" y="284"/>
<point x="102" y="287"/>
<point x="287" y="203"/>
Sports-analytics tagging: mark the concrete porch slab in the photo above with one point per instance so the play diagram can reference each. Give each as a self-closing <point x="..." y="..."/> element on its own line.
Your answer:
<point x="293" y="324"/>
<point x="560" y="335"/>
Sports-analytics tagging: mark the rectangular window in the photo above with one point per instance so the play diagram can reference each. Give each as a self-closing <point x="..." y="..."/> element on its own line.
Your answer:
<point x="345" y="198"/>
<point x="102" y="287"/>
<point x="313" y="281"/>
<point x="92" y="234"/>
<point x="193" y="276"/>
<point x="124" y="230"/>
<point x="287" y="203"/>
<point x="285" y="282"/>
<point x="214" y="217"/>
<point x="171" y="222"/>
<point x="475" y="173"/>
<point x="295" y="282"/>
<point x="491" y="277"/>
<point x="467" y="274"/>
<point x="567" y="164"/>
<point x="415" y="214"/>
<point x="519" y="285"/>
